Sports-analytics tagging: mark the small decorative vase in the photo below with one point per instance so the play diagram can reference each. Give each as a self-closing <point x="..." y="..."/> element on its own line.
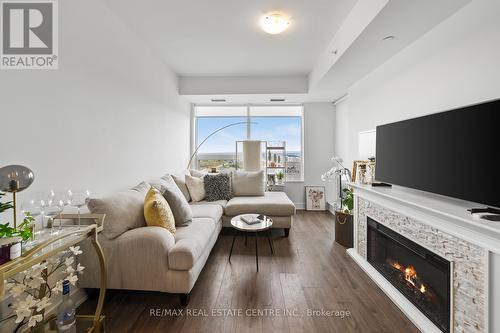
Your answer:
<point x="10" y="248"/>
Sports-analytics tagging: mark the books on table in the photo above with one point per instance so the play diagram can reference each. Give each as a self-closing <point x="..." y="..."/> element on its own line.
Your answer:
<point x="250" y="219"/>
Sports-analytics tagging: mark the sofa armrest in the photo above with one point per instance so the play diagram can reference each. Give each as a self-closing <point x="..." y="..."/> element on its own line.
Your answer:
<point x="156" y="239"/>
<point x="134" y="256"/>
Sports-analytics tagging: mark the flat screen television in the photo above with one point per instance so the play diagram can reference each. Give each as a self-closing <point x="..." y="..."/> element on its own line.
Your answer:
<point x="452" y="153"/>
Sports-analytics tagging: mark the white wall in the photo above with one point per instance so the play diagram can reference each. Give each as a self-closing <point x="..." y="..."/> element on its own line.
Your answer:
<point x="109" y="117"/>
<point x="319" y="137"/>
<point x="455" y="64"/>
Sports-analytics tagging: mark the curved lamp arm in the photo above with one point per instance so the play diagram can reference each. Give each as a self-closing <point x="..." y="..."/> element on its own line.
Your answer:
<point x="208" y="137"/>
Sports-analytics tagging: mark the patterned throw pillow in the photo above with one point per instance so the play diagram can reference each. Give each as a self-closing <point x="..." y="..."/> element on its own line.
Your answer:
<point x="157" y="211"/>
<point x="218" y="187"/>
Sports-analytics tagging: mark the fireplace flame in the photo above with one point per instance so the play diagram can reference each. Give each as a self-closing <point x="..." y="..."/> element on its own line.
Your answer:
<point x="422" y="289"/>
<point x="410" y="274"/>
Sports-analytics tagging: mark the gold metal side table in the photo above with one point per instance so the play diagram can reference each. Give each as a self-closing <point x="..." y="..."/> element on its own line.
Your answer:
<point x="51" y="245"/>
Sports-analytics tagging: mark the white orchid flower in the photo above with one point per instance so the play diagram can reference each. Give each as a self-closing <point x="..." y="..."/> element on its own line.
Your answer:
<point x="58" y="287"/>
<point x="18" y="290"/>
<point x="35" y="282"/>
<point x="34" y="319"/>
<point x="69" y="261"/>
<point x="22" y="313"/>
<point x="72" y="279"/>
<point x="79" y="268"/>
<point x="76" y="250"/>
<point x="23" y="308"/>
<point x="42" y="304"/>
<point x="36" y="270"/>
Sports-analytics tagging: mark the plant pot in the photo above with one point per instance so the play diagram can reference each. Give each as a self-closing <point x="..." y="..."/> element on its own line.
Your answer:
<point x="10" y="248"/>
<point x="344" y="229"/>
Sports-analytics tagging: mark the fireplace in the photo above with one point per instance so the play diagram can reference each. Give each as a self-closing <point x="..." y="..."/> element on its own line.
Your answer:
<point x="419" y="274"/>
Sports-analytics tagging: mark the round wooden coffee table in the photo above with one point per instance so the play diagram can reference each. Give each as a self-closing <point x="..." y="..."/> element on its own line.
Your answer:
<point x="239" y="225"/>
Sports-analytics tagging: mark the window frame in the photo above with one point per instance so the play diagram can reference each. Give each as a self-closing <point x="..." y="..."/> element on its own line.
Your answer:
<point x="194" y="128"/>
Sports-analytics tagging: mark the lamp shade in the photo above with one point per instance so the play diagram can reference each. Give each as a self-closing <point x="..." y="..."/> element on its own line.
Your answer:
<point x="252" y="155"/>
<point x="15" y="178"/>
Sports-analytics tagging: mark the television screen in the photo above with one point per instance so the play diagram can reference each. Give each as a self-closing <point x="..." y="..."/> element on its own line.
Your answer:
<point x="452" y="153"/>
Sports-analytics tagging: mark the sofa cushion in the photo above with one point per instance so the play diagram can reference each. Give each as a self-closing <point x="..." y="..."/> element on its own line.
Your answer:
<point x="196" y="187"/>
<point x="124" y="210"/>
<point x="178" y="203"/>
<point x="248" y="183"/>
<point x="157" y="211"/>
<point x="221" y="203"/>
<point x="271" y="203"/>
<point x="180" y="180"/>
<point x="217" y="187"/>
<point x="213" y="211"/>
<point x="190" y="243"/>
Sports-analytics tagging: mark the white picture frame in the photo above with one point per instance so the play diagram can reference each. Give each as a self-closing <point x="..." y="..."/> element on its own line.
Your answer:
<point x="315" y="198"/>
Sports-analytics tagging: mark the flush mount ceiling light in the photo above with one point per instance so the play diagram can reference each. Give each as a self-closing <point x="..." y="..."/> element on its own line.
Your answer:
<point x="274" y="23"/>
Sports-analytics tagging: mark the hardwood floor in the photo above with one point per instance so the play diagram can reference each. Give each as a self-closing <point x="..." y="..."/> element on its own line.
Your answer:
<point x="308" y="271"/>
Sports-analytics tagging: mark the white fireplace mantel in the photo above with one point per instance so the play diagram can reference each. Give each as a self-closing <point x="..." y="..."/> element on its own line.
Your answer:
<point x="444" y="226"/>
<point x="444" y="213"/>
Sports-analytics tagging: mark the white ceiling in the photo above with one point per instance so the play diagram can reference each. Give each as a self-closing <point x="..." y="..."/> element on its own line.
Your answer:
<point x="223" y="38"/>
<point x="218" y="49"/>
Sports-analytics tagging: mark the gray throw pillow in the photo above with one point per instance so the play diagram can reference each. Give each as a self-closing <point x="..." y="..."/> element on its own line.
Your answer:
<point x="248" y="183"/>
<point x="180" y="180"/>
<point x="177" y="201"/>
<point x="124" y="210"/>
<point x="218" y="187"/>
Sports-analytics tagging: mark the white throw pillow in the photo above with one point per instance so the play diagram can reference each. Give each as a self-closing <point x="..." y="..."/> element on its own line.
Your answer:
<point x="248" y="183"/>
<point x="197" y="173"/>
<point x="196" y="187"/>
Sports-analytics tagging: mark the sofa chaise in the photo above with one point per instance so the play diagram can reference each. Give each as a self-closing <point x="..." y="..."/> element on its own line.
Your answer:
<point x="141" y="257"/>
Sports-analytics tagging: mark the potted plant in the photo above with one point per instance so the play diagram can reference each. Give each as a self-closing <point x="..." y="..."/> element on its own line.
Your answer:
<point x="279" y="176"/>
<point x="11" y="238"/>
<point x="344" y="219"/>
<point x="343" y="216"/>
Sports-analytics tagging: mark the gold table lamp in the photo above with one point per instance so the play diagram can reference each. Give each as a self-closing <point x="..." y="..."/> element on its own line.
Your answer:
<point x="13" y="179"/>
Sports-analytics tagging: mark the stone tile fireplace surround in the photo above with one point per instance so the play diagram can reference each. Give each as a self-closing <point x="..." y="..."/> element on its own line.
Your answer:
<point x="443" y="227"/>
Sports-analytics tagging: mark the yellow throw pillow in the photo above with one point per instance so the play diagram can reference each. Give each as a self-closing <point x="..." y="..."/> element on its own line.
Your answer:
<point x="157" y="211"/>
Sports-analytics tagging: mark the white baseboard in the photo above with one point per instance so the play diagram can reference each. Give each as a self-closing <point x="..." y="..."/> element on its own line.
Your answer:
<point x="331" y="207"/>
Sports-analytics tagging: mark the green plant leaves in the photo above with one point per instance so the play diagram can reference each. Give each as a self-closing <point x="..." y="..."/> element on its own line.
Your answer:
<point x="348" y="200"/>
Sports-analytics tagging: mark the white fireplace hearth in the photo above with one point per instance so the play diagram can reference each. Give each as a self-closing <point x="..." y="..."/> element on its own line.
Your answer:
<point x="444" y="227"/>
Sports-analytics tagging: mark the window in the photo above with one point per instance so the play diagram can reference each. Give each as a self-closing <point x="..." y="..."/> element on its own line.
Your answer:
<point x="266" y="123"/>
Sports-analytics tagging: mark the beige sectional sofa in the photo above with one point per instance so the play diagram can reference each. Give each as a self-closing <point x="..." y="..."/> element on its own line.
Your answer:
<point x="151" y="258"/>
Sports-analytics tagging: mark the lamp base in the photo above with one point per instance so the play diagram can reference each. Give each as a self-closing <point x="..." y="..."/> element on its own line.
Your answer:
<point x="14" y="209"/>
